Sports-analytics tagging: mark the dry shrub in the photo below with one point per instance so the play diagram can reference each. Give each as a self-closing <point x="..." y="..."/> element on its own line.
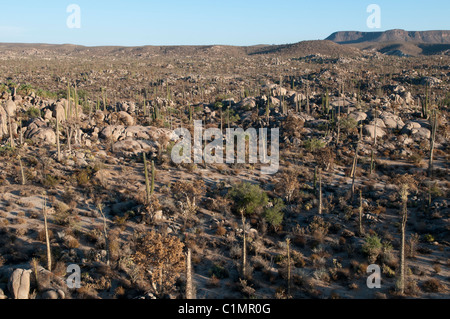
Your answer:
<point x="221" y="231"/>
<point x="432" y="285"/>
<point x="41" y="235"/>
<point x="161" y="258"/>
<point x="71" y="242"/>
<point x="213" y="282"/>
<point x="287" y="185"/>
<point x="195" y="188"/>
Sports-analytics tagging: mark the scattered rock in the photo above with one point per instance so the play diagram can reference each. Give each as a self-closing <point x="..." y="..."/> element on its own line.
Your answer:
<point x="19" y="283"/>
<point x="370" y="131"/>
<point x="358" y="116"/>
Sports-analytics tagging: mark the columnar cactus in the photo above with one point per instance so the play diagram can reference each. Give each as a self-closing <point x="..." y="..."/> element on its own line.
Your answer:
<point x="244" y="246"/>
<point x="288" y="242"/>
<point x="147" y="182"/>
<point x="404" y="214"/>
<point x="152" y="187"/>
<point x="189" y="283"/>
<point x="47" y="238"/>
<point x="434" y="124"/>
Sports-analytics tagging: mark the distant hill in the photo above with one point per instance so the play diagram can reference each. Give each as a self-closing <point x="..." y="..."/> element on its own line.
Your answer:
<point x="396" y="35"/>
<point x="304" y="48"/>
<point x="298" y="49"/>
<point x="396" y="42"/>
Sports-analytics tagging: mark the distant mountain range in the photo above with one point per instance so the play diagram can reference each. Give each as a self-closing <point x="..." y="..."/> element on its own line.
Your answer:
<point x="396" y="35"/>
<point x="396" y="42"/>
<point x="339" y="44"/>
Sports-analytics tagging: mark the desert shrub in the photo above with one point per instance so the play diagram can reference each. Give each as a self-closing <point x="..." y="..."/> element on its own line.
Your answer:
<point x="41" y="235"/>
<point x="416" y="158"/>
<point x="196" y="188"/>
<point x="372" y="247"/>
<point x="432" y="285"/>
<point x="161" y="258"/>
<point x="213" y="282"/>
<point x="221" y="231"/>
<point x="293" y="126"/>
<point x="248" y="197"/>
<point x="348" y="124"/>
<point x="33" y="112"/>
<point x="218" y="271"/>
<point x="428" y="238"/>
<point x="50" y="181"/>
<point x="83" y="177"/>
<point x="318" y="224"/>
<point x="274" y="214"/>
<point x="325" y="157"/>
<point x="287" y="185"/>
<point x="71" y="242"/>
<point x="313" y="144"/>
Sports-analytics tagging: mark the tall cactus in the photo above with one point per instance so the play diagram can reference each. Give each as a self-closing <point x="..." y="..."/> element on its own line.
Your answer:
<point x="147" y="182"/>
<point x="244" y="246"/>
<point x="404" y="214"/>
<point x="11" y="135"/>
<point x="361" y="230"/>
<point x="152" y="187"/>
<point x="58" y="145"/>
<point x="47" y="238"/>
<point x="67" y="108"/>
<point x="105" y="233"/>
<point x="320" y="194"/>
<point x="434" y="124"/>
<point x="308" y="110"/>
<point x="22" y="174"/>
<point x="288" y="242"/>
<point x="189" y="283"/>
<point x="75" y="102"/>
<point x="425" y="104"/>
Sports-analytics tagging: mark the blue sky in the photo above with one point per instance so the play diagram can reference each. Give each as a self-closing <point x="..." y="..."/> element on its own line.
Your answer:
<point x="233" y="22"/>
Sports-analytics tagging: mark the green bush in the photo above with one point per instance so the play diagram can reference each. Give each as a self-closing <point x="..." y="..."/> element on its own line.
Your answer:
<point x="33" y="112"/>
<point x="428" y="238"/>
<point x="274" y="215"/>
<point x="218" y="271"/>
<point x="248" y="197"/>
<point x="348" y="124"/>
<point x="313" y="144"/>
<point x="372" y="247"/>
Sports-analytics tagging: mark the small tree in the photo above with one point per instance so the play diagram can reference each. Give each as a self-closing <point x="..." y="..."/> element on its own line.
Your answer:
<point x="161" y="258"/>
<point x="372" y="247"/>
<point x="249" y="197"/>
<point x="274" y="214"/>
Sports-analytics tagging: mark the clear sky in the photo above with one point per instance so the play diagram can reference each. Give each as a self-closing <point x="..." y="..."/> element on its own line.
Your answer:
<point x="189" y="22"/>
